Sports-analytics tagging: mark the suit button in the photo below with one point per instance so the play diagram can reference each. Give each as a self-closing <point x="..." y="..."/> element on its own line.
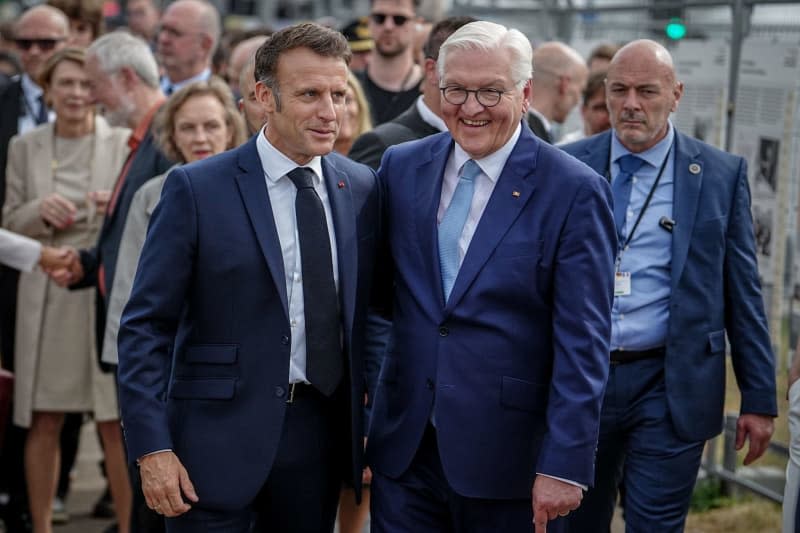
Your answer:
<point x="285" y="340"/>
<point x="444" y="332"/>
<point x="280" y="392"/>
<point x="429" y="384"/>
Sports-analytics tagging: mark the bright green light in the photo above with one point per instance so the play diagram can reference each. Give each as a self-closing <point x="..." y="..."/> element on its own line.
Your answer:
<point x="675" y="29"/>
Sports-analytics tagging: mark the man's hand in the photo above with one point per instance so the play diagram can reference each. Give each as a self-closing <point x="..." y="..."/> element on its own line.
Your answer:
<point x="164" y="482"/>
<point x="758" y="429"/>
<point x="553" y="498"/>
<point x="54" y="258"/>
<point x="57" y="211"/>
<point x="71" y="271"/>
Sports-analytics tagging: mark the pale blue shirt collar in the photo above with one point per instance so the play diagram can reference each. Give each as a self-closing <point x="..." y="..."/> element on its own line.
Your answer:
<point x="31" y="91"/>
<point x="654" y="155"/>
<point x="166" y="83"/>
<point x="276" y="164"/>
<point x="429" y="116"/>
<point x="491" y="165"/>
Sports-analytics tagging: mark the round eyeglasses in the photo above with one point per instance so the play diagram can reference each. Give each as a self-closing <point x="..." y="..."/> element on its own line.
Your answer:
<point x="456" y="95"/>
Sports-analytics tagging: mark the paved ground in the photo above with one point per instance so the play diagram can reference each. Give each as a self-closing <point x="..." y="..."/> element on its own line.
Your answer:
<point x="88" y="484"/>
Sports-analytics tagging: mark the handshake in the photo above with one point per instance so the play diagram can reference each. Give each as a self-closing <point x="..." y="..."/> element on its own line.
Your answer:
<point x="63" y="265"/>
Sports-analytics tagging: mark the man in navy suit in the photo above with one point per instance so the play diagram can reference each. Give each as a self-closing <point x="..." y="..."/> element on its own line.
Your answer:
<point x="241" y="368"/>
<point x="686" y="275"/>
<point x="487" y="409"/>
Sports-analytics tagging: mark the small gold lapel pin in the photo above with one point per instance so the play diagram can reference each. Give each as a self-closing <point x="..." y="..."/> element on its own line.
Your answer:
<point x="694" y="168"/>
<point x="515" y="194"/>
<point x="341" y="184"/>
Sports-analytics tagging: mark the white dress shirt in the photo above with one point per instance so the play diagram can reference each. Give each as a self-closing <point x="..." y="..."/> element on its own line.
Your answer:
<point x="429" y="116"/>
<point x="282" y="193"/>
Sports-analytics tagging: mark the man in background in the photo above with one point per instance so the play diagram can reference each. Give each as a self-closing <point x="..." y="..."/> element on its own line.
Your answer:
<point x="686" y="278"/>
<point x="594" y="111"/>
<point x="188" y="35"/>
<point x="559" y="74"/>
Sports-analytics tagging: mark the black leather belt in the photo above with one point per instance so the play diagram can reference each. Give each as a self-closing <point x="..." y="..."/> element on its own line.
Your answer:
<point x="621" y="357"/>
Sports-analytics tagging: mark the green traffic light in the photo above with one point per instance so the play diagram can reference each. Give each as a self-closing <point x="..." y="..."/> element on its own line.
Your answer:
<point x="675" y="29"/>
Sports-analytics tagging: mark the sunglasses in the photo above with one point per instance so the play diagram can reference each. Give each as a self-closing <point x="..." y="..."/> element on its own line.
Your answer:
<point x="44" y="45"/>
<point x="380" y="18"/>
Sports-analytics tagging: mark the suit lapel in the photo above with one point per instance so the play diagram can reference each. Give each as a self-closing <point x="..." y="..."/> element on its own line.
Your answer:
<point x="686" y="197"/>
<point x="428" y="180"/>
<point x="511" y="193"/>
<point x="598" y="155"/>
<point x="344" y="224"/>
<point x="253" y="188"/>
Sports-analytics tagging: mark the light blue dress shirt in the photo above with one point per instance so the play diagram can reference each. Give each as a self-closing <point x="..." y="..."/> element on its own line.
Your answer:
<point x="639" y="320"/>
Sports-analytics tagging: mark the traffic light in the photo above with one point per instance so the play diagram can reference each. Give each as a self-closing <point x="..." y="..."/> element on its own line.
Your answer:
<point x="675" y="29"/>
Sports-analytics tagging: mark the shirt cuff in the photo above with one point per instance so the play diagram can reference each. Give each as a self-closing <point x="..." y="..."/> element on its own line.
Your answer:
<point x="581" y="485"/>
<point x="152" y="453"/>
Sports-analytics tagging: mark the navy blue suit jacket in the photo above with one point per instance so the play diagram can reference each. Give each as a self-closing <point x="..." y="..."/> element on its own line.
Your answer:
<point x="715" y="287"/>
<point x="513" y="367"/>
<point x="204" y="342"/>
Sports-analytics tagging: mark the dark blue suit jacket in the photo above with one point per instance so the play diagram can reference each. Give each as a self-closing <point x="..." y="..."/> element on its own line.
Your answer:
<point x="204" y="342"/>
<point x="715" y="287"/>
<point x="514" y="365"/>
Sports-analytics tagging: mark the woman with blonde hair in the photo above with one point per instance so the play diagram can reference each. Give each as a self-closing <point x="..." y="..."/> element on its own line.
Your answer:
<point x="357" y="118"/>
<point x="57" y="184"/>
<point x="198" y="121"/>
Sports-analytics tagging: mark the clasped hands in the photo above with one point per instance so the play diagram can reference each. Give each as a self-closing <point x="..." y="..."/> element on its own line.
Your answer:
<point x="63" y="265"/>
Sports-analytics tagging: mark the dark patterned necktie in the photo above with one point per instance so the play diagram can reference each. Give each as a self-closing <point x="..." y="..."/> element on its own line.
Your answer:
<point x="321" y="307"/>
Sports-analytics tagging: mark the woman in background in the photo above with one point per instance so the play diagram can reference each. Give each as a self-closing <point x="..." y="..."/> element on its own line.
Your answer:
<point x="356" y="119"/>
<point x="57" y="183"/>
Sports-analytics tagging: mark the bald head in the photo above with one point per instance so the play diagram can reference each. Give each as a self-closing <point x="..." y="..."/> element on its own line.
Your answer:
<point x="643" y="54"/>
<point x="641" y="92"/>
<point x="190" y="31"/>
<point x="38" y="33"/>
<point x="244" y="52"/>
<point x="559" y="75"/>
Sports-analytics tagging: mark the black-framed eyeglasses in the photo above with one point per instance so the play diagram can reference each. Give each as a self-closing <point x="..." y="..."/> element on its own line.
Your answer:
<point x="456" y="95"/>
<point x="44" y="45"/>
<point x="380" y="19"/>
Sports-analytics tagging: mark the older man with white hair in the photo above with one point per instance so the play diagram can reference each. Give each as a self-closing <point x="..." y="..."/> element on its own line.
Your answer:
<point x="499" y="272"/>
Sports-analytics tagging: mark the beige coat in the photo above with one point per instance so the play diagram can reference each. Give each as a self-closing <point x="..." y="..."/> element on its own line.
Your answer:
<point x="29" y="179"/>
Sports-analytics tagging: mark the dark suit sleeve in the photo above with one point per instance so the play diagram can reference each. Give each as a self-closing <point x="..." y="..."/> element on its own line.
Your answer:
<point x="368" y="149"/>
<point x="581" y="324"/>
<point x="149" y="321"/>
<point x="90" y="262"/>
<point x="751" y="353"/>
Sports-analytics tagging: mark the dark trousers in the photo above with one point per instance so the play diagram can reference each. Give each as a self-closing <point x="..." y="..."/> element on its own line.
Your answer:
<point x="638" y="447"/>
<point x="301" y="493"/>
<point x="421" y="501"/>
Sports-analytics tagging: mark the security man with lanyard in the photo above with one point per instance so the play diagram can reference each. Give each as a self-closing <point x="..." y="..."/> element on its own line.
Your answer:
<point x="686" y="276"/>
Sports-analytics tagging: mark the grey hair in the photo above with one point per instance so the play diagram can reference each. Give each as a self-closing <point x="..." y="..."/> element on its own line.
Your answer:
<point x="121" y="49"/>
<point x="487" y="36"/>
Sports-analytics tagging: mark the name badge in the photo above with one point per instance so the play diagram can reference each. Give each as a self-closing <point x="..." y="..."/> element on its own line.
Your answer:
<point x="622" y="284"/>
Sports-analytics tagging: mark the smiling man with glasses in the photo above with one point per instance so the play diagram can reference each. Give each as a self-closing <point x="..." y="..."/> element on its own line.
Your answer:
<point x="187" y="37"/>
<point x="498" y="269"/>
<point x="391" y="79"/>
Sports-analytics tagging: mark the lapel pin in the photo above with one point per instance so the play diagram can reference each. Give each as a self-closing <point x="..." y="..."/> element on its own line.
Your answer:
<point x="341" y="184"/>
<point x="694" y="168"/>
<point x="515" y="194"/>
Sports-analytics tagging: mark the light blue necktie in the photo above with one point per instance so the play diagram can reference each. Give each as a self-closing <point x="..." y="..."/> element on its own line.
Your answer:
<point x="453" y="224"/>
<point x="629" y="164"/>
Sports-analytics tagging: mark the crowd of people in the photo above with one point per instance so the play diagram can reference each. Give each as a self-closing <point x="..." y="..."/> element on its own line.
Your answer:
<point x="364" y="274"/>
